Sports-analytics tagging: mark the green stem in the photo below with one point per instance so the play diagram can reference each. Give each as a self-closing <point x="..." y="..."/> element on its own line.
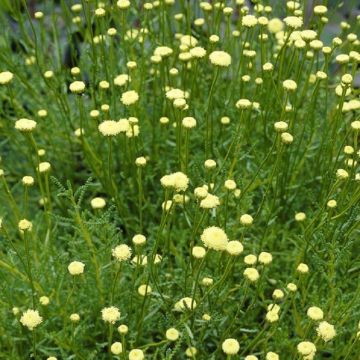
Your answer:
<point x="111" y="329"/>
<point x="140" y="198"/>
<point x="28" y="261"/>
<point x="117" y="273"/>
<point x="209" y="122"/>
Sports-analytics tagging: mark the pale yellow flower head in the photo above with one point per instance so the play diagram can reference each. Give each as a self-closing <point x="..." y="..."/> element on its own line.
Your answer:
<point x="76" y="268"/>
<point x="121" y="252"/>
<point x="25" y="125"/>
<point x="326" y="331"/>
<point x="215" y="238"/>
<point x="109" y="128"/>
<point x="230" y="346"/>
<point x="307" y="349"/>
<point x="110" y="314"/>
<point x="98" y="203"/>
<point x="293" y="22"/>
<point x="31" y="319"/>
<point x="77" y="87"/>
<point x="136" y="354"/>
<point x="74" y="317"/>
<point x="315" y="313"/>
<point x="6" y="77"/>
<point x="25" y="225"/>
<point x="184" y="304"/>
<point x="129" y="97"/>
<point x="220" y="58"/>
<point x="234" y="247"/>
<point x="251" y="274"/>
<point x="116" y="348"/>
<point x="172" y="334"/>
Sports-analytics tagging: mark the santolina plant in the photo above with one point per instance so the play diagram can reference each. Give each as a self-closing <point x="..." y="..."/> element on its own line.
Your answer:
<point x="179" y="179"/>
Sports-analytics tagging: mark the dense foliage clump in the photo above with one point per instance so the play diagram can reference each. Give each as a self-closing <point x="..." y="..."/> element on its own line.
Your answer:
<point x="179" y="179"/>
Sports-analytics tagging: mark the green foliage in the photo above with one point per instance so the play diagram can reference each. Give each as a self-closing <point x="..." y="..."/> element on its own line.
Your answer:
<point x="280" y="154"/>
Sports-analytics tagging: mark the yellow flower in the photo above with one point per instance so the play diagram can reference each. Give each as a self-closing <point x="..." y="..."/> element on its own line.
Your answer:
<point x="265" y="258"/>
<point x="289" y="85"/>
<point x="184" y="304"/>
<point x="144" y="290"/>
<point x="123" y="4"/>
<point x="25" y="225"/>
<point x="300" y="216"/>
<point x="44" y="300"/>
<point x="98" y="203"/>
<point x="198" y="252"/>
<point x="272" y="316"/>
<point x="188" y="122"/>
<point x="27" y="180"/>
<point x="77" y="87"/>
<point x="76" y="268"/>
<point x="191" y="351"/>
<point x="6" y="77"/>
<point x="287" y="138"/>
<point x="116" y="348"/>
<point x="179" y="181"/>
<point x="74" y="317"/>
<point x="302" y="268"/>
<point x="172" y="334"/>
<point x="220" y="58"/>
<point x="121" y="252"/>
<point x="25" y="125"/>
<point x="136" y="354"/>
<point x="275" y="25"/>
<point x="163" y="51"/>
<point x="249" y="21"/>
<point x="315" y="313"/>
<point x="121" y="80"/>
<point x="230" y="346"/>
<point x="129" y="97"/>
<point x="110" y="314"/>
<point x="234" y="247"/>
<point x="326" y="331"/>
<point x="109" y="128"/>
<point x="188" y="40"/>
<point x="246" y="220"/>
<point x="31" y="319"/>
<point x="123" y="329"/>
<point x="210" y="202"/>
<point x="293" y="22"/>
<point x="198" y="52"/>
<point x="215" y="238"/>
<point x="251" y="274"/>
<point x="306" y="348"/>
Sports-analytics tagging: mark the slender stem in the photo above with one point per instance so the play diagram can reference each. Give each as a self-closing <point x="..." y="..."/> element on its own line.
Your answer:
<point x="140" y="197"/>
<point x="110" y="165"/>
<point x="209" y="122"/>
<point x="34" y="343"/>
<point x="117" y="274"/>
<point x="111" y="329"/>
<point x="29" y="270"/>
